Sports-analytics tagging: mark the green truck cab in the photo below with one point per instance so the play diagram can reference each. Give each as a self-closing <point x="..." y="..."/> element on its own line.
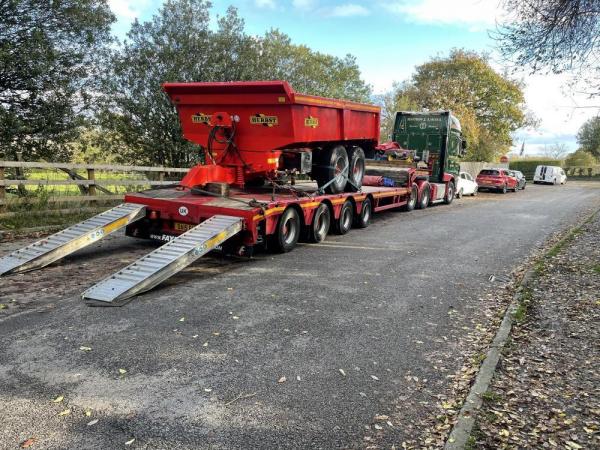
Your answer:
<point x="436" y="139"/>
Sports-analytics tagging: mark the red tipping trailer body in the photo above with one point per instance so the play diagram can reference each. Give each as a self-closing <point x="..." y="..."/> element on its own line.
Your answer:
<point x="263" y="119"/>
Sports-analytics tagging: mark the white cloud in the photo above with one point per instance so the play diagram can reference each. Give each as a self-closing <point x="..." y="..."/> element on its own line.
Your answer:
<point x="348" y="10"/>
<point x="303" y="4"/>
<point x="127" y="9"/>
<point x="445" y="12"/>
<point x="268" y="4"/>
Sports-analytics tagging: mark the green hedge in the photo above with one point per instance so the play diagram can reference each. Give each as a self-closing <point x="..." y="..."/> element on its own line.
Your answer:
<point x="528" y="166"/>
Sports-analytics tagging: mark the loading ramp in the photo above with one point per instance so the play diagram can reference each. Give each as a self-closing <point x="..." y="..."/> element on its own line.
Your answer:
<point x="61" y="244"/>
<point x="164" y="262"/>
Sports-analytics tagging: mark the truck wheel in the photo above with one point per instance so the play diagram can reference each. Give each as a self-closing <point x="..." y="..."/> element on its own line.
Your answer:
<point x="356" y="169"/>
<point x="320" y="223"/>
<point x="412" y="200"/>
<point x="333" y="165"/>
<point x="449" y="194"/>
<point x="424" y="203"/>
<point x="344" y="222"/>
<point x="288" y="231"/>
<point x="364" y="218"/>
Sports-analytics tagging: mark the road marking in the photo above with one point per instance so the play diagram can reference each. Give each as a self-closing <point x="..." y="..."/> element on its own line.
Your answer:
<point x="358" y="247"/>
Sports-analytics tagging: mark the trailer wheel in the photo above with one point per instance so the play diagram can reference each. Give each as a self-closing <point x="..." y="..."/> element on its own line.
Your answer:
<point x="412" y="201"/>
<point x="356" y="169"/>
<point x="364" y="218"/>
<point x="424" y="202"/>
<point x="288" y="231"/>
<point x="320" y="223"/>
<point x="450" y="194"/>
<point x="344" y="222"/>
<point x="332" y="165"/>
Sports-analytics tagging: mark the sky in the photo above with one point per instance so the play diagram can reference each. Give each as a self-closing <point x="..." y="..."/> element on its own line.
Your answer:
<point x="390" y="38"/>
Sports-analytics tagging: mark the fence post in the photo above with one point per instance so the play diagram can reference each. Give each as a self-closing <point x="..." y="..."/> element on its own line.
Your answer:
<point x="2" y="191"/>
<point x="91" y="187"/>
<point x="161" y="176"/>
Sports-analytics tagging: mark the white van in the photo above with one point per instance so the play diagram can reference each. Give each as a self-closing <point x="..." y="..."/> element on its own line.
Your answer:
<point x="549" y="174"/>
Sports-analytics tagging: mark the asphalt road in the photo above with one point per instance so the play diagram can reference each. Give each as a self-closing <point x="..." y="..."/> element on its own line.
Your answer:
<point x="205" y="354"/>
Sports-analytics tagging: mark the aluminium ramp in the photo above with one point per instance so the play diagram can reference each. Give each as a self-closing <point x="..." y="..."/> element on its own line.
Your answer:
<point x="164" y="262"/>
<point x="69" y="240"/>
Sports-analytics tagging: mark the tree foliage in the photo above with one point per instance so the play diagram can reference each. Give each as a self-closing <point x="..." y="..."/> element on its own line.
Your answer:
<point x="589" y="136"/>
<point x="555" y="35"/>
<point x="580" y="158"/>
<point x="490" y="106"/>
<point x="47" y="57"/>
<point x="178" y="44"/>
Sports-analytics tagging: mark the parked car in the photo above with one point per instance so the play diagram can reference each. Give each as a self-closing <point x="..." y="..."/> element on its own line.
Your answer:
<point x="521" y="181"/>
<point x="549" y="174"/>
<point x="466" y="185"/>
<point x="496" y="179"/>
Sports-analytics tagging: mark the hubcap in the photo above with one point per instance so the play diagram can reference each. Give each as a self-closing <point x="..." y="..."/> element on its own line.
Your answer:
<point x="289" y="231"/>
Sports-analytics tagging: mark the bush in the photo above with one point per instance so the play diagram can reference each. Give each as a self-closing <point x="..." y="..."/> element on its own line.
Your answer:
<point x="528" y="166"/>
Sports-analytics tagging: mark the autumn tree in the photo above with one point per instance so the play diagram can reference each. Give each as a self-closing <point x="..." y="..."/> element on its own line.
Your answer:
<point x="553" y="35"/>
<point x="48" y="55"/>
<point x="489" y="105"/>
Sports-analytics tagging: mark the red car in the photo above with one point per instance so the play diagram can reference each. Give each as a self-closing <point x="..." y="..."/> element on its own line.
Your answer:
<point x="497" y="179"/>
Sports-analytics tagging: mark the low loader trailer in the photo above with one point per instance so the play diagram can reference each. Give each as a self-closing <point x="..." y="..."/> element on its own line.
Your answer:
<point x="278" y="167"/>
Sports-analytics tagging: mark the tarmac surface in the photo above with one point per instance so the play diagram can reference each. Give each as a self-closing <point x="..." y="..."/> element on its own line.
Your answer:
<point x="301" y="350"/>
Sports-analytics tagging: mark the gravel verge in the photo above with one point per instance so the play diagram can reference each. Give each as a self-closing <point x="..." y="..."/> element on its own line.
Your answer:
<point x="546" y="392"/>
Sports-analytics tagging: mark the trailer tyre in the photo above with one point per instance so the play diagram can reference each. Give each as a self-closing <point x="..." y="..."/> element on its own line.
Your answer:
<point x="412" y="201"/>
<point x="363" y="219"/>
<point x="320" y="224"/>
<point x="332" y="165"/>
<point x="344" y="222"/>
<point x="356" y="169"/>
<point x="424" y="201"/>
<point x="288" y="231"/>
<point x="450" y="193"/>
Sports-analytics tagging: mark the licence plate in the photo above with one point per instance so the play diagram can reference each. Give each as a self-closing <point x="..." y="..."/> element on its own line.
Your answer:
<point x="183" y="226"/>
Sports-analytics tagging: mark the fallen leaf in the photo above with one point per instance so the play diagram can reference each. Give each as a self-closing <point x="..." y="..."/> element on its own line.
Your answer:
<point x="381" y="417"/>
<point x="83" y="348"/>
<point x="374" y="377"/>
<point x="195" y="336"/>
<point x="129" y="442"/>
<point x="66" y="412"/>
<point x="92" y="422"/>
<point x="282" y="380"/>
<point x="235" y="317"/>
<point x="298" y="378"/>
<point x="182" y="319"/>
<point x="3" y="306"/>
<point x="122" y="371"/>
<point x="205" y="344"/>
<point x="342" y="372"/>
<point x="27" y="442"/>
<point x="504" y="432"/>
<point x="88" y="413"/>
<point x="572" y="444"/>
<point x="378" y="427"/>
<point x="207" y="390"/>
<point x="58" y="399"/>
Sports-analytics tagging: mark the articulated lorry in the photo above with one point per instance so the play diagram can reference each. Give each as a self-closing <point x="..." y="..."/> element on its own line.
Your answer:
<point x="257" y="140"/>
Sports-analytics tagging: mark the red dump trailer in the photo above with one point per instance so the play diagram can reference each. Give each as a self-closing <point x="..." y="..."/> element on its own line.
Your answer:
<point x="279" y="167"/>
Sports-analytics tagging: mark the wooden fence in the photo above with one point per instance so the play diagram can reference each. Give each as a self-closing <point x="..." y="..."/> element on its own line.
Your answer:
<point x="90" y="187"/>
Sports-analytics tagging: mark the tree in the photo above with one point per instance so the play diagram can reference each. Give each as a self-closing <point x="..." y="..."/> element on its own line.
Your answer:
<point x="490" y="106"/>
<point x="556" y="151"/>
<point x="589" y="136"/>
<point x="48" y="54"/>
<point x="580" y="158"/>
<point x="555" y="35"/>
<point x="178" y="44"/>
